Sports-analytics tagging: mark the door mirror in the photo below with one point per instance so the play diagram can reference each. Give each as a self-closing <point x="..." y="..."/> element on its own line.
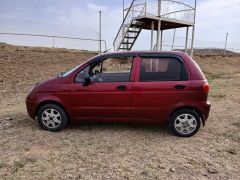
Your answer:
<point x="60" y="74"/>
<point x="87" y="80"/>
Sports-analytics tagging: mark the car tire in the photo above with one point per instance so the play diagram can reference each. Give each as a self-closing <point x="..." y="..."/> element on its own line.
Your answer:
<point x="52" y="117"/>
<point x="185" y="123"/>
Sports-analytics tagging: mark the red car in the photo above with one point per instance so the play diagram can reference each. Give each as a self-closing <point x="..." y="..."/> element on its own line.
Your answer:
<point x="138" y="87"/>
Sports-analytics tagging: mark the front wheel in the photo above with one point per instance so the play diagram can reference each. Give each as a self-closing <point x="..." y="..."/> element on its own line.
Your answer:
<point x="185" y="123"/>
<point x="52" y="117"/>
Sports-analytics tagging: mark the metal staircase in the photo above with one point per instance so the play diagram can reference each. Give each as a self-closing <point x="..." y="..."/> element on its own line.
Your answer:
<point x="130" y="28"/>
<point x="130" y="36"/>
<point x="141" y="14"/>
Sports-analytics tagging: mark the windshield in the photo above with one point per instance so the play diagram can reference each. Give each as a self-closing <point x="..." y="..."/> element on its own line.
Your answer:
<point x="64" y="74"/>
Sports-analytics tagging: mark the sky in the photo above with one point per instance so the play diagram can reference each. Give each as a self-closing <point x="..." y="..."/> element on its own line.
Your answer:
<point x="79" y="18"/>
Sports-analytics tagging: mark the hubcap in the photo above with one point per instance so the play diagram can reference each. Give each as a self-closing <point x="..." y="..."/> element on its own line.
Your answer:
<point x="51" y="118"/>
<point x="185" y="123"/>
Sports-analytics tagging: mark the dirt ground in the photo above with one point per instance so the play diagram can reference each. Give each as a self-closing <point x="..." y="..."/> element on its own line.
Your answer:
<point x="113" y="151"/>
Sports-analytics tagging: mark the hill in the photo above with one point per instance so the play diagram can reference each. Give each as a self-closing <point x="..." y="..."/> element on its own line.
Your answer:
<point x="113" y="151"/>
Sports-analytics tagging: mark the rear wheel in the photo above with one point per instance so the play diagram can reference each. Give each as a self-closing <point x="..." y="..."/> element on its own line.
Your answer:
<point x="52" y="117"/>
<point x="185" y="123"/>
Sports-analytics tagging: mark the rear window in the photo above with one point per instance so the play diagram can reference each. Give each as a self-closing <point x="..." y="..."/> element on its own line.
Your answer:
<point x="162" y="69"/>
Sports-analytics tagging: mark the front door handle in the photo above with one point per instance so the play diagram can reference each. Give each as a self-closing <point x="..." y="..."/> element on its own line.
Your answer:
<point x="179" y="86"/>
<point x="121" y="87"/>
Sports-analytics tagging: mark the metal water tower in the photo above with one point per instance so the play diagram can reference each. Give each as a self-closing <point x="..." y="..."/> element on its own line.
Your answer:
<point x="154" y="15"/>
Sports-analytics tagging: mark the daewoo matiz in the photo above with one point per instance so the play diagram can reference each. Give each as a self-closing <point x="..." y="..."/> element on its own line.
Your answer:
<point x="138" y="87"/>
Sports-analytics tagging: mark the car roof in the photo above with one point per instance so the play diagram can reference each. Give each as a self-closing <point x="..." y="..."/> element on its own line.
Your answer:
<point x="178" y="53"/>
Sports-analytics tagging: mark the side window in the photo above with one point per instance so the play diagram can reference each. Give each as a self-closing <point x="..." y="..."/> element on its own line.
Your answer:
<point x="162" y="69"/>
<point x="116" y="69"/>
<point x="80" y="78"/>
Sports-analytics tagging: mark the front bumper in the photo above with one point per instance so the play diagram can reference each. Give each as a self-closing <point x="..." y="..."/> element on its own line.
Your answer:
<point x="31" y="108"/>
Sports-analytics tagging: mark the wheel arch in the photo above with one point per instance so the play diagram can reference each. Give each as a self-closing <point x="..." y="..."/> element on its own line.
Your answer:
<point x="51" y="102"/>
<point x="191" y="108"/>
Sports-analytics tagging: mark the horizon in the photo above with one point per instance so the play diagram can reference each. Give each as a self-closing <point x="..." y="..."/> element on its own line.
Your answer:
<point x="215" y="18"/>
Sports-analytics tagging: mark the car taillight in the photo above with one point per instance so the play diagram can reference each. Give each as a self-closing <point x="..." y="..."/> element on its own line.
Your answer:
<point x="205" y="87"/>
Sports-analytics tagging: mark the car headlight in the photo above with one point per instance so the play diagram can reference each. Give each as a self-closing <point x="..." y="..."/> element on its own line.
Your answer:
<point x="33" y="87"/>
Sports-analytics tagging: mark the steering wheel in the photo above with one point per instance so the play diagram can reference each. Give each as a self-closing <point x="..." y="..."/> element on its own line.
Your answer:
<point x="96" y="76"/>
<point x="96" y="72"/>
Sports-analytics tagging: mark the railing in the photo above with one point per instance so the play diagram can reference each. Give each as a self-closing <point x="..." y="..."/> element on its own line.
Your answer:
<point x="169" y="9"/>
<point x="173" y="10"/>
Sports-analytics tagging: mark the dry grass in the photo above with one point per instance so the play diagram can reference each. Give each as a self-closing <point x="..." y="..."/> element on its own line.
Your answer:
<point x="114" y="151"/>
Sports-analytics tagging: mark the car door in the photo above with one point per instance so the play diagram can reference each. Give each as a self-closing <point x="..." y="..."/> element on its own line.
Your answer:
<point x="162" y="82"/>
<point x="107" y="97"/>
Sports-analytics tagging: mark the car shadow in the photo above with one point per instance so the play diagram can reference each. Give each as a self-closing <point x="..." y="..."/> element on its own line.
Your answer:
<point x="101" y="126"/>
<point x="163" y="129"/>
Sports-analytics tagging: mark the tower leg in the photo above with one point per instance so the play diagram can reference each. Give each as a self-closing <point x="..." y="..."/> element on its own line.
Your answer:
<point x="174" y="34"/>
<point x="193" y="32"/>
<point x="158" y="35"/>
<point x="123" y="36"/>
<point x="186" y="42"/>
<point x="152" y="33"/>
<point x="161" y="43"/>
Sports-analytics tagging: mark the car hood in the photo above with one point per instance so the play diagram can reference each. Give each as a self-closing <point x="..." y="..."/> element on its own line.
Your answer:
<point x="57" y="84"/>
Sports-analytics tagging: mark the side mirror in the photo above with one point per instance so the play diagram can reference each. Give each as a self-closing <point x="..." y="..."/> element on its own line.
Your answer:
<point x="87" y="80"/>
<point x="60" y="74"/>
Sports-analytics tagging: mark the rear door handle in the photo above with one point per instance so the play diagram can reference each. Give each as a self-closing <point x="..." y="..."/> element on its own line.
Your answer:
<point x="179" y="86"/>
<point x="121" y="87"/>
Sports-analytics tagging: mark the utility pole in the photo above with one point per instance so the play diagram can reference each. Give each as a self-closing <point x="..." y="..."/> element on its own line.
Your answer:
<point x="225" y="47"/>
<point x="123" y="9"/>
<point x="100" y="31"/>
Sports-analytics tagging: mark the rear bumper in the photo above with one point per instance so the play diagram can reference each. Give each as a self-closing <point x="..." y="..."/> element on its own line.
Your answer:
<point x="205" y="108"/>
